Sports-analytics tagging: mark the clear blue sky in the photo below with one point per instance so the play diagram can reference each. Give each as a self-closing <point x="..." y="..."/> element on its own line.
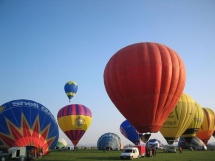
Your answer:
<point x="45" y="43"/>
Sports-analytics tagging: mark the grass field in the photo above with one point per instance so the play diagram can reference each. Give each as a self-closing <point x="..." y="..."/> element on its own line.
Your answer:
<point x="95" y="155"/>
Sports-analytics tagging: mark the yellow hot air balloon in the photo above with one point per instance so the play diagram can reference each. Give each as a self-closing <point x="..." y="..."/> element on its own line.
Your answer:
<point x="195" y="124"/>
<point x="208" y="125"/>
<point x="179" y="120"/>
<point x="74" y="120"/>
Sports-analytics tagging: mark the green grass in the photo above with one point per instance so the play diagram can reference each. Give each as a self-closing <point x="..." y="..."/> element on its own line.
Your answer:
<point x="95" y="155"/>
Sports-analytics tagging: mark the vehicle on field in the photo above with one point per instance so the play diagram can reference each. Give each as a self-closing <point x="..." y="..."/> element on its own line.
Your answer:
<point x="70" y="148"/>
<point x="3" y="156"/>
<point x="13" y="153"/>
<point x="142" y="150"/>
<point x="130" y="153"/>
<point x="171" y="149"/>
<point x="16" y="153"/>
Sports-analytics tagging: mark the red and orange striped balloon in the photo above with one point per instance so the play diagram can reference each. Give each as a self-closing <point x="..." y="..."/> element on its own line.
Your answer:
<point x="208" y="125"/>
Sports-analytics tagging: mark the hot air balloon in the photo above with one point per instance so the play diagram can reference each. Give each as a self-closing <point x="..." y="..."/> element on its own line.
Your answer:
<point x="208" y="125"/>
<point x="74" y="120"/>
<point x="180" y="119"/>
<point x="70" y="89"/>
<point x="195" y="143"/>
<point x="153" y="144"/>
<point x="61" y="143"/>
<point x="145" y="81"/>
<point x="195" y="124"/>
<point x="109" y="141"/>
<point x="27" y="123"/>
<point x="130" y="132"/>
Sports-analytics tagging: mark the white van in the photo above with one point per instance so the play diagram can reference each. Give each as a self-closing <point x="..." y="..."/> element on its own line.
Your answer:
<point x="17" y="152"/>
<point x="130" y="153"/>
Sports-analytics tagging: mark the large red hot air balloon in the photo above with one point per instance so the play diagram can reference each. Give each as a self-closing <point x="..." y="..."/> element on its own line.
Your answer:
<point x="145" y="81"/>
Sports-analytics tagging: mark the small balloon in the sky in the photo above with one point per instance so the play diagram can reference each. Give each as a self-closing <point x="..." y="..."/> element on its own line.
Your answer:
<point x="70" y="89"/>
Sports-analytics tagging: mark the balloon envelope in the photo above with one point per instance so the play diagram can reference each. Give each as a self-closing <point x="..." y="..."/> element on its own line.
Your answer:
<point x="194" y="143"/>
<point x="179" y="120"/>
<point x="195" y="124"/>
<point x="61" y="143"/>
<point x="145" y="81"/>
<point x="27" y="123"/>
<point x="74" y="120"/>
<point x="70" y="89"/>
<point x="109" y="141"/>
<point x="130" y="132"/>
<point x="153" y="144"/>
<point x="208" y="125"/>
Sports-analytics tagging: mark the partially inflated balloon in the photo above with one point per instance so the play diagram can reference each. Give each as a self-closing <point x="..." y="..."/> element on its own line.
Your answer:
<point x="61" y="143"/>
<point x="195" y="124"/>
<point x="208" y="125"/>
<point x="130" y="132"/>
<point x="27" y="123"/>
<point x="179" y="120"/>
<point x="70" y="89"/>
<point x="145" y="81"/>
<point x="195" y="143"/>
<point x="74" y="120"/>
<point x="109" y="141"/>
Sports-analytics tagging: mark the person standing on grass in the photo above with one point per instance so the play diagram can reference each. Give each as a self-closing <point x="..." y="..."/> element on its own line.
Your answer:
<point x="180" y="149"/>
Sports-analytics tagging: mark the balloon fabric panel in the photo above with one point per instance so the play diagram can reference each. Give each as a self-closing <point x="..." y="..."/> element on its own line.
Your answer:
<point x="208" y="125"/>
<point x="145" y="79"/>
<point x="130" y="132"/>
<point x="74" y="120"/>
<point x="71" y="122"/>
<point x="74" y="109"/>
<point x="109" y="140"/>
<point x="196" y="123"/>
<point x="75" y="135"/>
<point x="22" y="125"/>
<point x="180" y="119"/>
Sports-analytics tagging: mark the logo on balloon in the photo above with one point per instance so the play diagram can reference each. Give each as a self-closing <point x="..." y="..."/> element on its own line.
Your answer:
<point x="79" y="121"/>
<point x="1" y="108"/>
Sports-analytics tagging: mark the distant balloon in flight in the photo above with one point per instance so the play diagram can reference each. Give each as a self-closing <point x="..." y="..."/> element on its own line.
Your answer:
<point x="70" y="89"/>
<point x="180" y="119"/>
<point x="74" y="120"/>
<point x="130" y="132"/>
<point x="145" y="81"/>
<point x="208" y="126"/>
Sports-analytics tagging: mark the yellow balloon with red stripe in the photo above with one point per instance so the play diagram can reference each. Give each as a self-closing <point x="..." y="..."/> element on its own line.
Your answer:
<point x="208" y="125"/>
<point x="74" y="120"/>
<point x="179" y="120"/>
